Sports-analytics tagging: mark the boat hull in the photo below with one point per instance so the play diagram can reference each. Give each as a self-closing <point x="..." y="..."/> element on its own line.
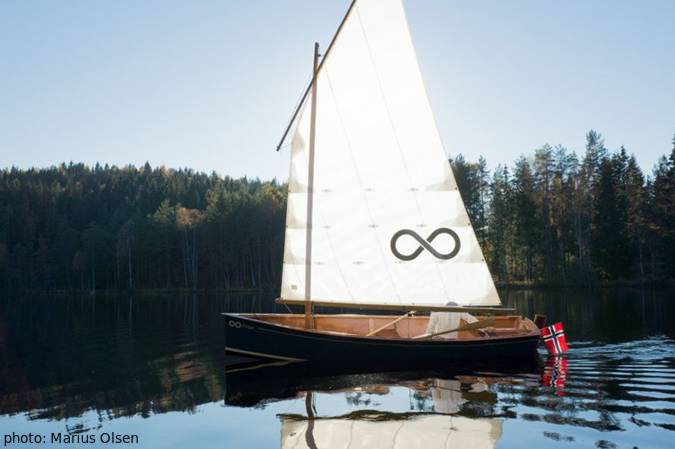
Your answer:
<point x="261" y="339"/>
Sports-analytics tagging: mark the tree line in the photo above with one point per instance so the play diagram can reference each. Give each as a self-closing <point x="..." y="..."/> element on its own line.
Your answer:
<point x="553" y="218"/>
<point x="558" y="218"/>
<point x="73" y="227"/>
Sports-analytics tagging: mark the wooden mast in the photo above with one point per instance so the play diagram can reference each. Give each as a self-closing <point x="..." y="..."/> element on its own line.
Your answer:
<point x="309" y="322"/>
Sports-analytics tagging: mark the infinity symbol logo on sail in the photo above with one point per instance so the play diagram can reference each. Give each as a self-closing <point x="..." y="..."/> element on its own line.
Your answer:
<point x="425" y="244"/>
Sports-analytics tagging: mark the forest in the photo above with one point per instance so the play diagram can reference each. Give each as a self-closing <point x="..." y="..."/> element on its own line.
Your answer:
<point x="553" y="218"/>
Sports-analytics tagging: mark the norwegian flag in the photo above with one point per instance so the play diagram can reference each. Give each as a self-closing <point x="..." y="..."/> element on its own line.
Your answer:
<point x="554" y="338"/>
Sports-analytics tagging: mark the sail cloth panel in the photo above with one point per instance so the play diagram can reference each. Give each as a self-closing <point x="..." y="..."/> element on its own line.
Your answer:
<point x="379" y="169"/>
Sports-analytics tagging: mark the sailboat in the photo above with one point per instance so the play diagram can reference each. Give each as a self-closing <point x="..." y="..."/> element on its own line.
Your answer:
<point x="375" y="220"/>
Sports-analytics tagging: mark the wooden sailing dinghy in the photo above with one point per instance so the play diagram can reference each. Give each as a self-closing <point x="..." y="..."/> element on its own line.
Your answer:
<point x="374" y="217"/>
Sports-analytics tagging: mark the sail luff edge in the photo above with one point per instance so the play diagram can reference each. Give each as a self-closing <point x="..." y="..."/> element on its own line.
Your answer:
<point x="311" y="83"/>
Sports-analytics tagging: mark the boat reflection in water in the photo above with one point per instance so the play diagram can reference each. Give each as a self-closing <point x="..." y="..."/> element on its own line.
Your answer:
<point x="446" y="409"/>
<point x="434" y="389"/>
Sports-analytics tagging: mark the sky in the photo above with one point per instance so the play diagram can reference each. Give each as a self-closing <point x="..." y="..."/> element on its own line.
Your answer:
<point x="211" y="85"/>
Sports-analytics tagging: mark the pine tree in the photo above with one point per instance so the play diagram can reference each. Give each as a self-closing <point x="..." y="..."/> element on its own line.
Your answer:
<point x="662" y="217"/>
<point x="544" y="185"/>
<point x="585" y="201"/>
<point x="635" y="192"/>
<point x="611" y="254"/>
<point x="500" y="224"/>
<point x="527" y="219"/>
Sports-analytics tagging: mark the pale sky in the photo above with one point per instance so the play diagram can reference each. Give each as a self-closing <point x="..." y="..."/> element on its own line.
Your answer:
<point x="211" y="84"/>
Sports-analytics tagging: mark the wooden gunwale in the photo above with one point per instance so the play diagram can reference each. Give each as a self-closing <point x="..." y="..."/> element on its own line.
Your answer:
<point x="533" y="331"/>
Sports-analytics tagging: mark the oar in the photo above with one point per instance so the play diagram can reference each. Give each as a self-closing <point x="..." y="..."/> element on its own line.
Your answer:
<point x="371" y="333"/>
<point x="467" y="327"/>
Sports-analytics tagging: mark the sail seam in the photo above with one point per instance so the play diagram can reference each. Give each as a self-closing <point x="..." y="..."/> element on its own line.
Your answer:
<point x="332" y="249"/>
<point x="288" y="211"/>
<point x="322" y="219"/>
<point x="359" y="180"/>
<point x="394" y="437"/>
<point x="395" y="134"/>
<point x="443" y="149"/>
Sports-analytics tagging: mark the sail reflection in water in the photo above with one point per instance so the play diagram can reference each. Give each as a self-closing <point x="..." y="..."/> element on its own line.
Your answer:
<point x="384" y="430"/>
<point x="441" y="412"/>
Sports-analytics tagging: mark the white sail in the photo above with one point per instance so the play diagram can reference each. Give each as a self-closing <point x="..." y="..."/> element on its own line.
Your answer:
<point x="423" y="432"/>
<point x="382" y="184"/>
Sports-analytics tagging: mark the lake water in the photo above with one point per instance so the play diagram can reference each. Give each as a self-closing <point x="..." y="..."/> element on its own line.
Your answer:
<point x="151" y="370"/>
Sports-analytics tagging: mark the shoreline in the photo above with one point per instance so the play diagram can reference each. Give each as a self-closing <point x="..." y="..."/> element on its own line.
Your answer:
<point x="664" y="284"/>
<point x="632" y="284"/>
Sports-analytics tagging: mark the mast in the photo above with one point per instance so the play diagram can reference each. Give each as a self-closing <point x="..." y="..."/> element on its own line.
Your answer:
<point x="309" y="322"/>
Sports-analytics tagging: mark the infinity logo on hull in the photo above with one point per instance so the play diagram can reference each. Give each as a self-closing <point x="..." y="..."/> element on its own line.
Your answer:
<point x="425" y="244"/>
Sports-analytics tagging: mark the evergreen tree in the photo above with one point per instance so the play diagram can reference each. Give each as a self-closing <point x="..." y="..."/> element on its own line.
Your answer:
<point x="527" y="219"/>
<point x="662" y="217"/>
<point x="500" y="225"/>
<point x="635" y="193"/>
<point x="611" y="255"/>
<point x="544" y="181"/>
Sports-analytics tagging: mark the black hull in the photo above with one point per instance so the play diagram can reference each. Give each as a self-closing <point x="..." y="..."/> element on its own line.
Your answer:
<point x="260" y="339"/>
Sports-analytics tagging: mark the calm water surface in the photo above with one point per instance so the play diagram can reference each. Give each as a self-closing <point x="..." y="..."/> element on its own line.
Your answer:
<point x="154" y="367"/>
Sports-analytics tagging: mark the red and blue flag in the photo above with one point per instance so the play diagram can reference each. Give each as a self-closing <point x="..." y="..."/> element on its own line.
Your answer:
<point x="554" y="338"/>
